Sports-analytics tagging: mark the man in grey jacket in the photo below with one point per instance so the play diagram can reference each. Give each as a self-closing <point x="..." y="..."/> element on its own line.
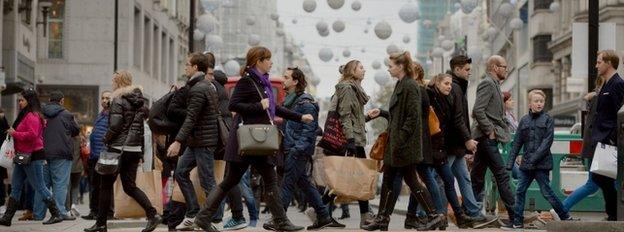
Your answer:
<point x="58" y="143"/>
<point x="490" y="129"/>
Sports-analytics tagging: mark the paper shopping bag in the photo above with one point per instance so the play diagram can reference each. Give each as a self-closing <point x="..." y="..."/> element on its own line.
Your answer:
<point x="150" y="183"/>
<point x="219" y="172"/>
<point x="350" y="177"/>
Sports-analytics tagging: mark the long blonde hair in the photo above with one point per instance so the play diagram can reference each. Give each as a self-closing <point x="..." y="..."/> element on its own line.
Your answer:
<point x="348" y="71"/>
<point x="122" y="79"/>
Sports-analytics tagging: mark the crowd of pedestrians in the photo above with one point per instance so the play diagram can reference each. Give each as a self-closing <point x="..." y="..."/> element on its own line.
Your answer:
<point x="430" y="146"/>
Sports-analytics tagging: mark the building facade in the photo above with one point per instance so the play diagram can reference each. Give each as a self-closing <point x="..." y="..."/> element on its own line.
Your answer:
<point x="76" y="55"/>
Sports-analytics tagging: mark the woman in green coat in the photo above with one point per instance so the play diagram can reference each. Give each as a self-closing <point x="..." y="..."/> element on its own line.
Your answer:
<point x="405" y="145"/>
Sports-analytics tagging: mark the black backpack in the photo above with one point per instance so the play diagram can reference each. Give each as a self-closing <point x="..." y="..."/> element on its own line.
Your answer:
<point x="157" y="117"/>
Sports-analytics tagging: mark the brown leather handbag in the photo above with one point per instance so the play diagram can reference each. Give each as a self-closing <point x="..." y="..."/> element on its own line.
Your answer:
<point x="379" y="148"/>
<point x="434" y="122"/>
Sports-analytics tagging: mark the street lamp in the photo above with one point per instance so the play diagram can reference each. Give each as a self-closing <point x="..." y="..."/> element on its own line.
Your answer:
<point x="45" y="6"/>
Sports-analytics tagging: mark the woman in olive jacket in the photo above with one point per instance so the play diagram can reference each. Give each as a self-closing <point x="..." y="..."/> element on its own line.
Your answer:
<point x="405" y="145"/>
<point x="253" y="102"/>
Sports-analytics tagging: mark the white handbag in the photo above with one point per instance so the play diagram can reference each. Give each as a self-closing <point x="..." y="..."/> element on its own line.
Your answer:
<point x="605" y="160"/>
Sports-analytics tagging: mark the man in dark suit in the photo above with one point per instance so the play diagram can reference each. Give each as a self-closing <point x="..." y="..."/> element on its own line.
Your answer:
<point x="605" y="123"/>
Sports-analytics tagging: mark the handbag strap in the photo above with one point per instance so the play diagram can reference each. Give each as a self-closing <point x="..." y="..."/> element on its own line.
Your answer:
<point x="261" y="97"/>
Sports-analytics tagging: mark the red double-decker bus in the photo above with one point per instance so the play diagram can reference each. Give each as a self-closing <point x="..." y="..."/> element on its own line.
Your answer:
<point x="277" y="82"/>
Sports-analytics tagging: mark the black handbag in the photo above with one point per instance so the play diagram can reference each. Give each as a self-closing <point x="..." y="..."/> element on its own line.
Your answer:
<point x="223" y="127"/>
<point x="22" y="158"/>
<point x="108" y="163"/>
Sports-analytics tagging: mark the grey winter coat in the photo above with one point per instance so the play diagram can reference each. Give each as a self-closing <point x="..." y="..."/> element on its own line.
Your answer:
<point x="489" y="112"/>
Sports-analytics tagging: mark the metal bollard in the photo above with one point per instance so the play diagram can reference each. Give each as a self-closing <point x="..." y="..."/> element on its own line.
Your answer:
<point x="620" y="176"/>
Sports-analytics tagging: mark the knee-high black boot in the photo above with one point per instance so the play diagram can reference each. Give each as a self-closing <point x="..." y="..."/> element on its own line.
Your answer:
<point x="421" y="194"/>
<point x="11" y="207"/>
<point x="203" y="219"/>
<point x="386" y="206"/>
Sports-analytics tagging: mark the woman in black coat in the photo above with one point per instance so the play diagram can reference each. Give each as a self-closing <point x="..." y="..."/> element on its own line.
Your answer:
<point x="252" y="108"/>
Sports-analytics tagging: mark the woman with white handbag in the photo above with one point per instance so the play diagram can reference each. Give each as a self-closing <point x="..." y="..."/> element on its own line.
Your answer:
<point x="29" y="157"/>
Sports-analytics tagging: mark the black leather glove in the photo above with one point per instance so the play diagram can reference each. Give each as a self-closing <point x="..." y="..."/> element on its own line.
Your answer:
<point x="351" y="146"/>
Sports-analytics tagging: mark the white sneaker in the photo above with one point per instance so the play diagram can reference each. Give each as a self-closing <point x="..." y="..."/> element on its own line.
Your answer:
<point x="555" y="215"/>
<point x="311" y="214"/>
<point x="188" y="224"/>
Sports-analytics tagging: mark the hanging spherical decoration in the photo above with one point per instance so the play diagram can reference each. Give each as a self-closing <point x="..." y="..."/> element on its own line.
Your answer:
<point x="437" y="52"/>
<point x="448" y="45"/>
<point x="505" y="9"/>
<point x="214" y="42"/>
<point x="228" y="4"/>
<point x="382" y="77"/>
<point x="279" y="32"/>
<point x="346" y="53"/>
<point x="554" y="6"/>
<point x="250" y="21"/>
<point x="289" y="48"/>
<point x="274" y="16"/>
<point x="468" y="5"/>
<point x="294" y="21"/>
<point x="516" y="23"/>
<point x="321" y="26"/>
<point x="406" y="39"/>
<point x="475" y="54"/>
<point x="356" y="5"/>
<point x="309" y="5"/>
<point x="315" y="80"/>
<point x="232" y="68"/>
<point x="210" y="5"/>
<point x="363" y="50"/>
<point x="207" y="23"/>
<point x="335" y="4"/>
<point x="409" y="13"/>
<point x="376" y="64"/>
<point x="441" y="38"/>
<point x="324" y="33"/>
<point x="326" y="54"/>
<point x="253" y="40"/>
<point x="366" y="31"/>
<point x="492" y="32"/>
<point x="338" y="26"/>
<point x="392" y="48"/>
<point x="383" y="30"/>
<point x="457" y="6"/>
<point x="198" y="35"/>
<point x="427" y="23"/>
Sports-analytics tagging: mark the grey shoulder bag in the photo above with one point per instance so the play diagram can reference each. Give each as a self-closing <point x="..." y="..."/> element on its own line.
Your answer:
<point x="259" y="139"/>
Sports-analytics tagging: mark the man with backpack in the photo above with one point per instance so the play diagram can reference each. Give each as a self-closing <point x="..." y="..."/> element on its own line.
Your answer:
<point x="199" y="132"/>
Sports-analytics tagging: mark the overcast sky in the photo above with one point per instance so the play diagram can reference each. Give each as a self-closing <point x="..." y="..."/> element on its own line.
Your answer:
<point x="353" y="37"/>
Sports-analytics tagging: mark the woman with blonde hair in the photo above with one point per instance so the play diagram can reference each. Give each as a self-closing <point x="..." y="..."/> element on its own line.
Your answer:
<point x="406" y="146"/>
<point x="125" y="135"/>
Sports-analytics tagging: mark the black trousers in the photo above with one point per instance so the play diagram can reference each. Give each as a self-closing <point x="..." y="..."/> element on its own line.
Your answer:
<point x="128" y="164"/>
<point x="410" y="176"/>
<point x="607" y="185"/>
<point x="94" y="190"/>
<point x="234" y="172"/>
<point x="488" y="156"/>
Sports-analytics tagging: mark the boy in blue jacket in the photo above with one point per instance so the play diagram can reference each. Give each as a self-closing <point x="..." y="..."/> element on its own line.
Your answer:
<point x="535" y="134"/>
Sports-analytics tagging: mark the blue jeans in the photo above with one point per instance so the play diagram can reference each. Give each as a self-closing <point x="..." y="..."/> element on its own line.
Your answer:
<point x="460" y="171"/>
<point x="581" y="193"/>
<point x="541" y="176"/>
<point x="426" y="173"/>
<point x="248" y="195"/>
<point x="31" y="173"/>
<point x="297" y="172"/>
<point x="55" y="176"/>
<point x="446" y="174"/>
<point x="203" y="159"/>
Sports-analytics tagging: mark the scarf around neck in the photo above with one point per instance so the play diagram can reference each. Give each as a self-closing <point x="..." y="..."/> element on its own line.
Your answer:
<point x="268" y="90"/>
